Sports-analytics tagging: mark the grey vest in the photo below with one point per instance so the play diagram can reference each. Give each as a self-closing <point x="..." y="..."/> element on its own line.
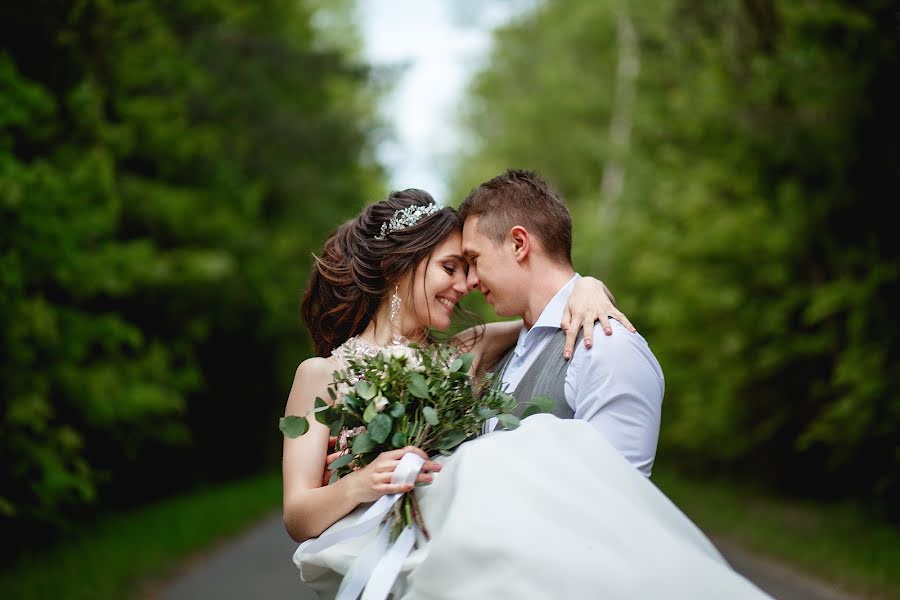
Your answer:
<point x="545" y="377"/>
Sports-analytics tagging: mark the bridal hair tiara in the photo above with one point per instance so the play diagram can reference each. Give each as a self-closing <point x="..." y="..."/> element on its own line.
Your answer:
<point x="406" y="217"/>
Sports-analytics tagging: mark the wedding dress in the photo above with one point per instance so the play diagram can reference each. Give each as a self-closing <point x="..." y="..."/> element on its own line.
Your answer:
<point x="547" y="511"/>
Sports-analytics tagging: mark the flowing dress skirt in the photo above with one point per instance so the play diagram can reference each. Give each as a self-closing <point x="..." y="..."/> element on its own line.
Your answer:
<point x="547" y="511"/>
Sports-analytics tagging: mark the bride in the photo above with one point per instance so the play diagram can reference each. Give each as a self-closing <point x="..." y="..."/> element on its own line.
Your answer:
<point x="549" y="510"/>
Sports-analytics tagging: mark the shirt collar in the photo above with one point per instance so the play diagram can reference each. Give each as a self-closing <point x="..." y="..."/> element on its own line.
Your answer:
<point x="552" y="314"/>
<point x="550" y="318"/>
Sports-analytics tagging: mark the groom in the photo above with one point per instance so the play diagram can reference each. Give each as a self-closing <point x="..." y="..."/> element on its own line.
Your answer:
<point x="517" y="238"/>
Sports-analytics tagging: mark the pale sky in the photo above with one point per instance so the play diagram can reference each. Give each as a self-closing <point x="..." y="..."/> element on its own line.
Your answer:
<point x="443" y="42"/>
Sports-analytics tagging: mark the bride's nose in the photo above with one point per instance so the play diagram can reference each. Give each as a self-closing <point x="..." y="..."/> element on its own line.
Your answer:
<point x="460" y="285"/>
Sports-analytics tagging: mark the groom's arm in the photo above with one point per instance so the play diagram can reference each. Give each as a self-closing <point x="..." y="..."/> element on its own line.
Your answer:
<point x="618" y="387"/>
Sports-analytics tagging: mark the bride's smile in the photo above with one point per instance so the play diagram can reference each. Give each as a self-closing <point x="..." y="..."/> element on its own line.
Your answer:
<point x="441" y="285"/>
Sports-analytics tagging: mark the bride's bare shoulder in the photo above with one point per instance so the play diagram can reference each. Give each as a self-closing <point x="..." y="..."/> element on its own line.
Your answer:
<point x="310" y="380"/>
<point x="316" y="370"/>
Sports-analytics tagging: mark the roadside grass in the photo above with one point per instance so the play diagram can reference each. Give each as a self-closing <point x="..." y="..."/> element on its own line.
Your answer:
<point x="124" y="551"/>
<point x="837" y="543"/>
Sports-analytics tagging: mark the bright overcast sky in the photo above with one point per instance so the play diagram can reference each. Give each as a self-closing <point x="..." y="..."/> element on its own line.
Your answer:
<point x="443" y="42"/>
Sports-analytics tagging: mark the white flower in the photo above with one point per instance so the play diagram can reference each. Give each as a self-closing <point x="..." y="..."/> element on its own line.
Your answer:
<point x="380" y="403"/>
<point x="347" y="436"/>
<point x="409" y="356"/>
<point x="343" y="390"/>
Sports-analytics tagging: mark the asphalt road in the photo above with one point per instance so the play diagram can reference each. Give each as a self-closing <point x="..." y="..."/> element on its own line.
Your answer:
<point x="257" y="565"/>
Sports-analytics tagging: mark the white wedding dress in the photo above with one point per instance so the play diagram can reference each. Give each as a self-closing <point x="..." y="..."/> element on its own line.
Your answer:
<point x="548" y="511"/>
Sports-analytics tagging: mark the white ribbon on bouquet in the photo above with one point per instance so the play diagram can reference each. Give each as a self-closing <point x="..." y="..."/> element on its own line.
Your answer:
<point x="378" y="565"/>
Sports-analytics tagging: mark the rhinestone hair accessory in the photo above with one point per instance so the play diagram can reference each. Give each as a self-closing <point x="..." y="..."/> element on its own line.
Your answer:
<point x="406" y="217"/>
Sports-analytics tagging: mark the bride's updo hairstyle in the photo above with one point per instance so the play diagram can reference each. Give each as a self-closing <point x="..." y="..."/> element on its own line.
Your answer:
<point x="356" y="271"/>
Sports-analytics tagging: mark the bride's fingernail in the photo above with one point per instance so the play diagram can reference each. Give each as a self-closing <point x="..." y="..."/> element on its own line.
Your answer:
<point x="567" y="355"/>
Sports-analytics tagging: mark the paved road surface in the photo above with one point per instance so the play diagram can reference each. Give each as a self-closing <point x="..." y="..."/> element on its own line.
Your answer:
<point x="257" y="566"/>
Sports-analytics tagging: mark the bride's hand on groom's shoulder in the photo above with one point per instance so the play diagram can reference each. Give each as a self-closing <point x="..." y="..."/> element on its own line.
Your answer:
<point x="589" y="302"/>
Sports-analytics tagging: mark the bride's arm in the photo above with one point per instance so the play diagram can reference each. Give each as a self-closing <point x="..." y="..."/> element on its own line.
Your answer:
<point x="590" y="301"/>
<point x="310" y="508"/>
<point x="488" y="343"/>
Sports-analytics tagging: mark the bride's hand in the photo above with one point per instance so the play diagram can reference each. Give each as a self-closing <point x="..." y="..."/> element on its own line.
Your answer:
<point x="590" y="301"/>
<point x="332" y="456"/>
<point x="374" y="480"/>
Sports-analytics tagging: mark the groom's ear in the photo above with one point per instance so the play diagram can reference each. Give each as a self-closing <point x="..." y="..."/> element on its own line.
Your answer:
<point x="521" y="241"/>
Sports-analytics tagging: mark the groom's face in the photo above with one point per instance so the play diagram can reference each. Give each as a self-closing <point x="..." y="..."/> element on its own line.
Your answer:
<point x="493" y="269"/>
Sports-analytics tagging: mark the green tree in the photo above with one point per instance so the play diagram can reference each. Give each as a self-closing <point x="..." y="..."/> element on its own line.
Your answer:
<point x="165" y="171"/>
<point x="747" y="240"/>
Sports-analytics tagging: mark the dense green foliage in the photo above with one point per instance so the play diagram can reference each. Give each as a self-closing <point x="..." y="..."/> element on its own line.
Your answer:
<point x="165" y="170"/>
<point x="757" y="142"/>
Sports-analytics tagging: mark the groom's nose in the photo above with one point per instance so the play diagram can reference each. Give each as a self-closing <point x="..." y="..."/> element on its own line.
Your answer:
<point x="472" y="281"/>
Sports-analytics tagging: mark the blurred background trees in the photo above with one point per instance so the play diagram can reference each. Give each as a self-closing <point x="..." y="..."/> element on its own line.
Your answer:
<point x="729" y="165"/>
<point x="166" y="168"/>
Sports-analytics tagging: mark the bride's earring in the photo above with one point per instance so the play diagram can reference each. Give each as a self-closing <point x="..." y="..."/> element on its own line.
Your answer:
<point x="397" y="338"/>
<point x="395" y="304"/>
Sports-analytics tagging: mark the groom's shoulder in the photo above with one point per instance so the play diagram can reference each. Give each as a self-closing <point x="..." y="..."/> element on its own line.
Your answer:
<point x="621" y="343"/>
<point x="621" y="356"/>
<point x="620" y="337"/>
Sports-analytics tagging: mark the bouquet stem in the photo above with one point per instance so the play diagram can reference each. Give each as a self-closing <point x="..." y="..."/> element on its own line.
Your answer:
<point x="417" y="515"/>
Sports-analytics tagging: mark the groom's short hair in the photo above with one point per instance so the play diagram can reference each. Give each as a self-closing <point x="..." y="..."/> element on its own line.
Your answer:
<point x="520" y="197"/>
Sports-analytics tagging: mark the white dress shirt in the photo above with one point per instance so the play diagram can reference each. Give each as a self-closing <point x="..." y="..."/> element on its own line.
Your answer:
<point x="617" y="385"/>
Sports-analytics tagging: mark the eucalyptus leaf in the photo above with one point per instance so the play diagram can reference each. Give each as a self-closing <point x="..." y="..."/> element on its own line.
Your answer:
<point x="362" y="443"/>
<point x="463" y="363"/>
<point x="331" y="394"/>
<point x="334" y="477"/>
<point x="293" y="426"/>
<point x="398" y="440"/>
<point x="397" y="410"/>
<point x="509" y="421"/>
<point x="418" y="387"/>
<point x="341" y="461"/>
<point x="336" y="426"/>
<point x="431" y="415"/>
<point x="365" y="390"/>
<point x="539" y="404"/>
<point x="370" y="412"/>
<point x="487" y="413"/>
<point x="380" y="428"/>
<point x="451" y="440"/>
<point x="323" y="414"/>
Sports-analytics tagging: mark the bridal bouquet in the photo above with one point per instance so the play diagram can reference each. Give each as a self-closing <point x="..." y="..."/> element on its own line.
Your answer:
<point x="407" y="395"/>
